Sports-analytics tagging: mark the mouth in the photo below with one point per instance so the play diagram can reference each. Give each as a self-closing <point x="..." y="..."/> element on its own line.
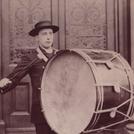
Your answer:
<point x="48" y="42"/>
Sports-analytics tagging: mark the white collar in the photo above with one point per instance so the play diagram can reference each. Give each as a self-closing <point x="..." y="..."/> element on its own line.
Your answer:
<point x="41" y="55"/>
<point x="50" y="50"/>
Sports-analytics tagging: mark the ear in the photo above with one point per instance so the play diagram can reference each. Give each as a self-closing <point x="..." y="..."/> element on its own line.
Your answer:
<point x="37" y="38"/>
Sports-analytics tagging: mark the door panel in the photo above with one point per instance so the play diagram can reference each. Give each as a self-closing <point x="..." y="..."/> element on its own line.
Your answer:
<point x="86" y="24"/>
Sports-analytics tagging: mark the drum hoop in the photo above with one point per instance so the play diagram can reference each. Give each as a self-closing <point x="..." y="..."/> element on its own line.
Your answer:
<point x="100" y="87"/>
<point x="42" y="85"/>
<point x="128" y="72"/>
<point x="91" y="63"/>
<point x="97" y="51"/>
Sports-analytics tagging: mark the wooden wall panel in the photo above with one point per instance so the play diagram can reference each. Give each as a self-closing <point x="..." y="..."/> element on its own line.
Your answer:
<point x="86" y="24"/>
<point x="0" y="60"/>
<point x="23" y="15"/>
<point x="62" y="24"/>
<point x="55" y="20"/>
<point x="124" y="28"/>
<point x="96" y="24"/>
<point x="2" y="122"/>
<point x="21" y="98"/>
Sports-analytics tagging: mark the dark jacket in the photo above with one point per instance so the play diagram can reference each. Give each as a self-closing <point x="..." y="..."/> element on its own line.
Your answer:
<point x="34" y="66"/>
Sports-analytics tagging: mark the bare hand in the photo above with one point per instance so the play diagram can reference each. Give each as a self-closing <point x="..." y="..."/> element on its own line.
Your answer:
<point x="4" y="82"/>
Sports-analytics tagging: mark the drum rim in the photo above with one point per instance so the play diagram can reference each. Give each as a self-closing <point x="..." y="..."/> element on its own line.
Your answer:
<point x="128" y="71"/>
<point x="91" y="64"/>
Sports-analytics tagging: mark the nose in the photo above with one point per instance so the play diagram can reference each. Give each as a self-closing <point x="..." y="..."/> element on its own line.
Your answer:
<point x="48" y="37"/>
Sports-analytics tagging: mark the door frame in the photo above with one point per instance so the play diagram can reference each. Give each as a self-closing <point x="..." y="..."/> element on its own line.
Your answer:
<point x="132" y="33"/>
<point x="2" y="123"/>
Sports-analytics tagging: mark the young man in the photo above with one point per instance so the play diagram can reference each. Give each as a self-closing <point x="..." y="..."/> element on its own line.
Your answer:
<point x="34" y="64"/>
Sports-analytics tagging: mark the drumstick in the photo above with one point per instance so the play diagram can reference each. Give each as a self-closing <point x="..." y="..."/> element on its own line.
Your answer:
<point x="25" y="68"/>
<point x="8" y="86"/>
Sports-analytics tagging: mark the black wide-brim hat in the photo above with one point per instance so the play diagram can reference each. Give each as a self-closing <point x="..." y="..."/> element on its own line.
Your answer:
<point x="43" y="25"/>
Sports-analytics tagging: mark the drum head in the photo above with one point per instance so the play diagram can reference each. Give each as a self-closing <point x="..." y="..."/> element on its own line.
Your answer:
<point x="68" y="93"/>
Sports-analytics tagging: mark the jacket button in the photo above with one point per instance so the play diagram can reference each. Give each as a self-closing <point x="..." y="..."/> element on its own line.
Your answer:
<point x="39" y="88"/>
<point x="43" y="67"/>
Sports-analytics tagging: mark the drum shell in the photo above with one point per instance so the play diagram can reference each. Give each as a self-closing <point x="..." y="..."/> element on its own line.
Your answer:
<point x="113" y="72"/>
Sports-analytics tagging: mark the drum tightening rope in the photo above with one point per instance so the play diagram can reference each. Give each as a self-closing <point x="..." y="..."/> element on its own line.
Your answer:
<point x="115" y="109"/>
<point x="105" y="128"/>
<point x="101" y="97"/>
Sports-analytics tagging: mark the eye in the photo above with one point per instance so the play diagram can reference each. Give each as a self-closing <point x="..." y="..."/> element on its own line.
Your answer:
<point x="50" y="33"/>
<point x="44" y="33"/>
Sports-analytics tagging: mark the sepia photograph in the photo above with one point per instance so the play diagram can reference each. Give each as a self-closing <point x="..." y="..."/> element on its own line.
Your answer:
<point x="66" y="66"/>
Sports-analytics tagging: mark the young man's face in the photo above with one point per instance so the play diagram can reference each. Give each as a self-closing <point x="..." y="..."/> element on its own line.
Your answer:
<point x="45" y="38"/>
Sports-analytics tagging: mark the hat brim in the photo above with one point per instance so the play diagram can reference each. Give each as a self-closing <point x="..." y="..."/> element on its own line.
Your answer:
<point x="35" y="31"/>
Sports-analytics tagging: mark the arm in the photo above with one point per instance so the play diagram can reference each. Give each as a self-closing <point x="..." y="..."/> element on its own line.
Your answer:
<point x="13" y="79"/>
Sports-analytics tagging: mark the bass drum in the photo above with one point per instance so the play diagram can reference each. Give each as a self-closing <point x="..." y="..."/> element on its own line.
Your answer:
<point x="87" y="90"/>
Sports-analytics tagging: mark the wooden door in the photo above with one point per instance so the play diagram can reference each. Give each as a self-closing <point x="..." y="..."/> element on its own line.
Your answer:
<point x="101" y="24"/>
